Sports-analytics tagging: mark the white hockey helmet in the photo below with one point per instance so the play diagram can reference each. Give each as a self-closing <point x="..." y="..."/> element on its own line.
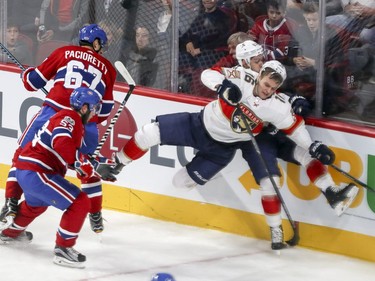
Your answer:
<point x="276" y="66"/>
<point x="247" y="50"/>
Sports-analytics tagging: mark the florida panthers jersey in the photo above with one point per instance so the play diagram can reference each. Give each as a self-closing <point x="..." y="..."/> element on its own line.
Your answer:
<point x="72" y="67"/>
<point x="225" y="123"/>
<point x="54" y="146"/>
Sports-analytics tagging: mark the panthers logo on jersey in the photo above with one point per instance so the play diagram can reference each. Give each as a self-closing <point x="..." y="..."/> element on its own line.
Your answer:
<point x="238" y="119"/>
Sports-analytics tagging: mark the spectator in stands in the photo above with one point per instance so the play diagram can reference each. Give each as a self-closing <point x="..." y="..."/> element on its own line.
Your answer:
<point x="140" y="59"/>
<point x="333" y="7"/>
<point x="358" y="18"/>
<point x="255" y="8"/>
<point x="274" y="31"/>
<point x="116" y="42"/>
<point x="163" y="43"/>
<point x="17" y="47"/>
<point x="230" y="59"/>
<point x="123" y="13"/>
<point x="294" y="8"/>
<point x="61" y="20"/>
<point x="303" y="55"/>
<point x="244" y="22"/>
<point x="357" y="23"/>
<point x="164" y="36"/>
<point x="26" y="14"/>
<point x="205" y="41"/>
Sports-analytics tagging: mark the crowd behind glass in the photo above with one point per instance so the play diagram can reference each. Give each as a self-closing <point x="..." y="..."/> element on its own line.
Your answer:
<point x="165" y="44"/>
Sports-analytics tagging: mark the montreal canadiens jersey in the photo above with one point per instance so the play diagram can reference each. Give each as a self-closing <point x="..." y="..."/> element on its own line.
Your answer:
<point x="71" y="67"/>
<point x="275" y="40"/>
<point x="55" y="146"/>
<point x="225" y="122"/>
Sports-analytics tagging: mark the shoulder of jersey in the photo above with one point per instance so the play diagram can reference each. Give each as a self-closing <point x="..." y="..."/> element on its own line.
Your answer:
<point x="234" y="72"/>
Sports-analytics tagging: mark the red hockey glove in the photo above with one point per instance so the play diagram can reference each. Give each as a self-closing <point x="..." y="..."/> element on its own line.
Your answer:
<point x="25" y="72"/>
<point x="84" y="169"/>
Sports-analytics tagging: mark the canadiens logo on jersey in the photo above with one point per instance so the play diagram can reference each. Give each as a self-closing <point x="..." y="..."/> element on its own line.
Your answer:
<point x="237" y="120"/>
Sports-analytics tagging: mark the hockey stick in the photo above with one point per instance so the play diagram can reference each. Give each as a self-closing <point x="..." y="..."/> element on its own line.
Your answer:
<point x="17" y="62"/>
<point x="352" y="178"/>
<point x="295" y="239"/>
<point x="125" y="74"/>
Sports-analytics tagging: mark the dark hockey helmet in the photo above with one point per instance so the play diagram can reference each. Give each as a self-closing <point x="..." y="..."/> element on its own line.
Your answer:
<point x="89" y="33"/>
<point x="163" y="277"/>
<point x="82" y="96"/>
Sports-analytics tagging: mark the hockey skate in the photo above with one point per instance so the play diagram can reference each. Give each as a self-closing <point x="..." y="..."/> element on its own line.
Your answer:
<point x="8" y="212"/>
<point x="277" y="238"/>
<point x="24" y="238"/>
<point x="69" y="257"/>
<point x="96" y="222"/>
<point x="9" y="209"/>
<point x="341" y="197"/>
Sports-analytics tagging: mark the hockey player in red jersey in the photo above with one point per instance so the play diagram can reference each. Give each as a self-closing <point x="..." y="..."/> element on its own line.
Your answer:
<point x="40" y="170"/>
<point x="70" y="67"/>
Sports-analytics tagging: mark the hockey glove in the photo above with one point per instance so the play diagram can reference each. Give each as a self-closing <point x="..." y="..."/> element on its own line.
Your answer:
<point x="84" y="169"/>
<point x="300" y="105"/>
<point x="229" y="92"/>
<point x="104" y="167"/>
<point x="322" y="152"/>
<point x="118" y="167"/>
<point x="271" y="129"/>
<point x="25" y="72"/>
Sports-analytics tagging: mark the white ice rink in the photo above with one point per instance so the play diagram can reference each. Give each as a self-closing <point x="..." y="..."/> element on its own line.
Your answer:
<point x="133" y="247"/>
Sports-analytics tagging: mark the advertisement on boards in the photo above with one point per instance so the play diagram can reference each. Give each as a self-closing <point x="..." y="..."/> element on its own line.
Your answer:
<point x="234" y="187"/>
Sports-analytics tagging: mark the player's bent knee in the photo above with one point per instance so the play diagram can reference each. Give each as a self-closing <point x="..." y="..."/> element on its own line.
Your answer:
<point x="148" y="136"/>
<point x="302" y="156"/>
<point x="182" y="180"/>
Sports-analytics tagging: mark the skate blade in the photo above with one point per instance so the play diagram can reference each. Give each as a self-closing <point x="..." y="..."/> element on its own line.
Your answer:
<point x="15" y="242"/>
<point x="277" y="250"/>
<point x="64" y="262"/>
<point x="343" y="206"/>
<point x="99" y="236"/>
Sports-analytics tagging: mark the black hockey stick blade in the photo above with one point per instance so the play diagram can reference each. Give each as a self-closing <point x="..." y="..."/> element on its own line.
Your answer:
<point x="357" y="181"/>
<point x="295" y="239"/>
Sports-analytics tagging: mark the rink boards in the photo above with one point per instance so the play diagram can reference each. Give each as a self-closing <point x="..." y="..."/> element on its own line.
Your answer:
<point x="231" y="201"/>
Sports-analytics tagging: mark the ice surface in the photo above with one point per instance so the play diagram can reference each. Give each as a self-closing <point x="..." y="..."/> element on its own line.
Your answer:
<point x="134" y="247"/>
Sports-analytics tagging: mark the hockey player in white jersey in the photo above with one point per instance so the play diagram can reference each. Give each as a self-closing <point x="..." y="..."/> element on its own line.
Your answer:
<point x="217" y="131"/>
<point x="277" y="144"/>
